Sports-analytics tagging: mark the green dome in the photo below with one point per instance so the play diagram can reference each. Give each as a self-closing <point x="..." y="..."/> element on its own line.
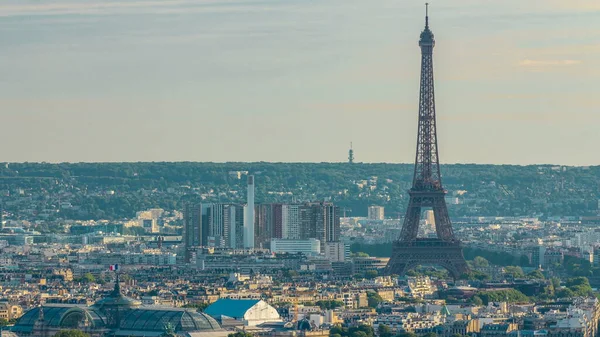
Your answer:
<point x="117" y="300"/>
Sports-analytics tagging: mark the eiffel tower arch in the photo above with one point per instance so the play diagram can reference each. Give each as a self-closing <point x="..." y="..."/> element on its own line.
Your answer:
<point x="410" y="251"/>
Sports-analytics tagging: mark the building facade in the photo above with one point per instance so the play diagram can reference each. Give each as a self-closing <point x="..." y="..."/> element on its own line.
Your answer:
<point x="375" y="213"/>
<point x="307" y="246"/>
<point x="193" y="232"/>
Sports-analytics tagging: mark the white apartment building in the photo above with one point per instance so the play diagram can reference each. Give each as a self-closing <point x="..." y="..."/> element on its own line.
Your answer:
<point x="375" y="213"/>
<point x="335" y="251"/>
<point x="307" y="247"/>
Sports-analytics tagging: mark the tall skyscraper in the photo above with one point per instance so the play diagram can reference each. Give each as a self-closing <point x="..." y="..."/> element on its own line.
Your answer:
<point x="1" y="215"/>
<point x="216" y="216"/>
<point x="277" y="219"/>
<point x="233" y="226"/>
<point x="249" y="217"/>
<point x="264" y="222"/>
<point x="320" y="221"/>
<point x="224" y="225"/>
<point x="290" y="221"/>
<point x="298" y="223"/>
<point x="213" y="225"/>
<point x="192" y="228"/>
<point x="332" y="222"/>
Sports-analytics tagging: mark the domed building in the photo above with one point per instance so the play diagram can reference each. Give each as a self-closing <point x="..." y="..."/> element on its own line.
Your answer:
<point x="117" y="315"/>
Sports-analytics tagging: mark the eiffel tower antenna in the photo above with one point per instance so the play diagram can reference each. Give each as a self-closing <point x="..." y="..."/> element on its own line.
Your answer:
<point x="427" y="15"/>
<point x="427" y="191"/>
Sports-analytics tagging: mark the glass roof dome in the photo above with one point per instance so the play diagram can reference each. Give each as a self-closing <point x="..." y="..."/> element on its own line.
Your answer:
<point x="156" y="319"/>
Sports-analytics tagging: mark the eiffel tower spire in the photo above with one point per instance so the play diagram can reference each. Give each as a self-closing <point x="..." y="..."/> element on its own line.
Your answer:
<point x="427" y="168"/>
<point x="427" y="15"/>
<point x="427" y="191"/>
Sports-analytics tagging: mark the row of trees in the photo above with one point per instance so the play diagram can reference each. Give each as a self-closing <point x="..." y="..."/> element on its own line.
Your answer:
<point x="505" y="295"/>
<point x="362" y="330"/>
<point x="496" y="258"/>
<point x="577" y="286"/>
<point x="329" y="304"/>
<point x="4" y="322"/>
<point x="502" y="189"/>
<point x="198" y="306"/>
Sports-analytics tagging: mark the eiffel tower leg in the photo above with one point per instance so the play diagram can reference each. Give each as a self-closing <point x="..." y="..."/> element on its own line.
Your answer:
<point x="410" y="227"/>
<point x="443" y="226"/>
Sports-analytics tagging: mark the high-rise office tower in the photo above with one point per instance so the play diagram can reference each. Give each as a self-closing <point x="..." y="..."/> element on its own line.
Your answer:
<point x="290" y="221"/>
<point x="213" y="225"/>
<point x="249" y="217"/>
<point x="216" y="215"/>
<point x="192" y="228"/>
<point x="233" y="226"/>
<point x="264" y="216"/>
<point x="320" y="221"/>
<point x="277" y="221"/>
<point x="332" y="222"/>
<point x="1" y="215"/>
<point x="222" y="225"/>
<point x="301" y="222"/>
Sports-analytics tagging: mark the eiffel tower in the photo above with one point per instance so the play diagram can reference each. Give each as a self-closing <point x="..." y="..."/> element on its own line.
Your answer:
<point x="427" y="191"/>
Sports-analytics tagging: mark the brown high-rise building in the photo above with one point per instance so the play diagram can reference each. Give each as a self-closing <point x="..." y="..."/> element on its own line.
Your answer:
<point x="315" y="220"/>
<point x="277" y="232"/>
<point x="263" y="225"/>
<point x="321" y="221"/>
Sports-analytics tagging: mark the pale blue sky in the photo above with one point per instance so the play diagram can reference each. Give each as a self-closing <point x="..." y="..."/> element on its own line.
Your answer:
<point x="517" y="81"/>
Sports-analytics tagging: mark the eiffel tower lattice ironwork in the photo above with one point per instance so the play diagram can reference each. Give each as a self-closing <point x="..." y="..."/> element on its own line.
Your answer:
<point x="410" y="251"/>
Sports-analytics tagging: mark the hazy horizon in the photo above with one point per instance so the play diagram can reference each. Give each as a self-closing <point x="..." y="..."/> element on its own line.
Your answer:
<point x="297" y="81"/>
<point x="288" y="162"/>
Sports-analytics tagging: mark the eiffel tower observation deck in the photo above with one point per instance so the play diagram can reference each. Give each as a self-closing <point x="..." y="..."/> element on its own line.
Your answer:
<point x="410" y="251"/>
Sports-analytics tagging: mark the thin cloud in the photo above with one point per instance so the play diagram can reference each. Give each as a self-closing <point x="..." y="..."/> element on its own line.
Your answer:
<point x="100" y="7"/>
<point x="531" y="117"/>
<point x="362" y="106"/>
<point x="548" y="63"/>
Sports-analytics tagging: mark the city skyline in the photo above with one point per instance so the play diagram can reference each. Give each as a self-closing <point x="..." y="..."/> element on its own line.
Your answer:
<point x="149" y="81"/>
